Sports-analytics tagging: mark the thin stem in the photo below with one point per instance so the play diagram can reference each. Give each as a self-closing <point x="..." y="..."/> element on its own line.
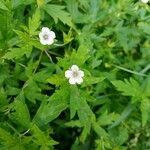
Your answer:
<point x="25" y="132"/>
<point x="20" y="135"/>
<point x="22" y="65"/>
<point x="38" y="62"/>
<point x="53" y="53"/>
<point x="48" y="55"/>
<point x="60" y="44"/>
<point x="26" y="83"/>
<point x="146" y="69"/>
<point x="13" y="128"/>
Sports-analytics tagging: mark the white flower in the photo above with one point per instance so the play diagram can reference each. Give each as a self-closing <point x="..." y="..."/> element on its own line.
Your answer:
<point x="75" y="75"/>
<point x="144" y="1"/>
<point x="47" y="36"/>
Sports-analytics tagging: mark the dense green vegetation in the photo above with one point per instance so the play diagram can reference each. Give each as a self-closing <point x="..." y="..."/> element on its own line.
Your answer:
<point x="109" y="40"/>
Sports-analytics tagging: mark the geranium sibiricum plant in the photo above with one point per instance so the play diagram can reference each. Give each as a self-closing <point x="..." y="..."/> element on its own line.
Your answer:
<point x="46" y="36"/>
<point x="71" y="70"/>
<point x="75" y="75"/>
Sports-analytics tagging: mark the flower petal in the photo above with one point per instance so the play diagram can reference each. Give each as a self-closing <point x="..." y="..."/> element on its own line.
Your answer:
<point x="81" y="73"/>
<point x="145" y="1"/>
<point x="52" y="34"/>
<point x="50" y="41"/>
<point x="74" y="68"/>
<point x="41" y="35"/>
<point x="72" y="81"/>
<point x="68" y="74"/>
<point x="45" y="29"/>
<point x="43" y="42"/>
<point x="79" y="80"/>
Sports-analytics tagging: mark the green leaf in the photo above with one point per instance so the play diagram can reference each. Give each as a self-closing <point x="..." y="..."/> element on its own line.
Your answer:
<point x="56" y="79"/>
<point x="48" y="111"/>
<point x="40" y="3"/>
<point x="85" y="114"/>
<point x="92" y="80"/>
<point x="119" y="135"/>
<point x="128" y="88"/>
<point x="102" y="144"/>
<point x="31" y="85"/>
<point x="13" y="90"/>
<point x="72" y="7"/>
<point x="58" y="12"/>
<point x="3" y="98"/>
<point x="128" y="37"/>
<point x="78" y="57"/>
<point x="74" y="123"/>
<point x="126" y="112"/>
<point x="84" y="134"/>
<point x="25" y="37"/>
<point x="16" y="3"/>
<point x="18" y="52"/>
<point x="145" y="109"/>
<point x="68" y="37"/>
<point x="106" y="119"/>
<point x="100" y="131"/>
<point x="2" y="5"/>
<point x="81" y="55"/>
<point x="144" y="26"/>
<point x="8" y="141"/>
<point x="6" y="136"/>
<point x="74" y="97"/>
<point x="43" y="75"/>
<point x="34" y="22"/>
<point x="78" y="104"/>
<point x="41" y="138"/>
<point x="20" y="113"/>
<point x="146" y="87"/>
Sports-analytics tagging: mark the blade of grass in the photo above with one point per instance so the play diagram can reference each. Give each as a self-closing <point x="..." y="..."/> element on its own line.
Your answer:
<point x="130" y="71"/>
<point x="126" y="112"/>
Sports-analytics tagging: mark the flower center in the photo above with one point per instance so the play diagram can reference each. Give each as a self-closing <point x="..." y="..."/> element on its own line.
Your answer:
<point x="75" y="74"/>
<point x="45" y="36"/>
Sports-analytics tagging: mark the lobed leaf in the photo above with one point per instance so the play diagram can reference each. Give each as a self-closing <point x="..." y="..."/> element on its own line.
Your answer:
<point x="128" y="88"/>
<point x="20" y="113"/>
<point x="57" y="12"/>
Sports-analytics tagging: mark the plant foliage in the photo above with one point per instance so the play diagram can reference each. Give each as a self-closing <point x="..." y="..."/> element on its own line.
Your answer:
<point x="110" y="42"/>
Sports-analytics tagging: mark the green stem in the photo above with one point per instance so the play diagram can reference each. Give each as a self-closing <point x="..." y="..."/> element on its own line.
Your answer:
<point x="48" y="55"/>
<point x="13" y="128"/>
<point x="38" y="62"/>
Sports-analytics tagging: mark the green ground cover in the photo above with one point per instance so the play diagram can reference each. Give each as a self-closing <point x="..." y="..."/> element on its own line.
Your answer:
<point x="74" y="75"/>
